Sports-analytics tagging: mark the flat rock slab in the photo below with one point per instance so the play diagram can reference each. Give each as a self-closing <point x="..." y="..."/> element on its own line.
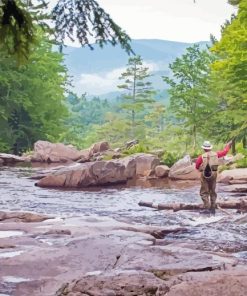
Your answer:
<point x="228" y="283"/>
<point x="129" y="283"/>
<point x="6" y="159"/>
<point x="235" y="188"/>
<point x="233" y="175"/>
<point x="22" y="217"/>
<point x="79" y="254"/>
<point x="133" y="283"/>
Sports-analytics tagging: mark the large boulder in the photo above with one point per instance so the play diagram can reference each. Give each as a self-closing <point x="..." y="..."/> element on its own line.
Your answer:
<point x="235" y="176"/>
<point x="130" y="166"/>
<point x="84" y="155"/>
<point x="45" y="151"/>
<point x="85" y="175"/>
<point x="99" y="147"/>
<point x="184" y="170"/>
<point x="100" y="172"/>
<point x="145" y="163"/>
<point x="162" y="171"/>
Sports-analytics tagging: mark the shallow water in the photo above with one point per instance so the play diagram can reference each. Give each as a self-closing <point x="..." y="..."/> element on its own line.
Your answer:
<point x="7" y="233"/>
<point x="18" y="193"/>
<point x="219" y="233"/>
<point x="10" y="254"/>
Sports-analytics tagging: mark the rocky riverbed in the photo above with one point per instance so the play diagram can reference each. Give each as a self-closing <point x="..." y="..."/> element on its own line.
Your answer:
<point x="100" y="242"/>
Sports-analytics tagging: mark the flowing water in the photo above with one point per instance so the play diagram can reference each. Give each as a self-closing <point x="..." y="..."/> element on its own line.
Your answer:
<point x="219" y="233"/>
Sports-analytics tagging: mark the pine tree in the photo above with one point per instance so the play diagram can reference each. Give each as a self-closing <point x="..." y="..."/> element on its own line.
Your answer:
<point x="138" y="92"/>
<point x="75" y="19"/>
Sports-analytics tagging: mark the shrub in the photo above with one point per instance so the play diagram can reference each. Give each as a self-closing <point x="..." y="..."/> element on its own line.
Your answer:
<point x="170" y="158"/>
<point x="139" y="148"/>
<point x="242" y="163"/>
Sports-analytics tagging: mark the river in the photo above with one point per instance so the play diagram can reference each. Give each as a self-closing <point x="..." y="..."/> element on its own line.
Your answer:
<point x="116" y="204"/>
<point x="18" y="193"/>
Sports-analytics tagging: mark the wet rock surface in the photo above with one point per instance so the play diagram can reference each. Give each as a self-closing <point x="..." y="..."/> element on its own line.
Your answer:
<point x="8" y="159"/>
<point x="102" y="243"/>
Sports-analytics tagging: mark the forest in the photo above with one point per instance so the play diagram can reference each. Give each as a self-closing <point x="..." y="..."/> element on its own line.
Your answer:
<point x="207" y="92"/>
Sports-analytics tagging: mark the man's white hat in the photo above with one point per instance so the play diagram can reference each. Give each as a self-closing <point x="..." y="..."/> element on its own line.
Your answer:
<point x="207" y="145"/>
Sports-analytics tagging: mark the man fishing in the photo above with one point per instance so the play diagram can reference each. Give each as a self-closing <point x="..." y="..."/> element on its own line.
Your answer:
<point x="207" y="164"/>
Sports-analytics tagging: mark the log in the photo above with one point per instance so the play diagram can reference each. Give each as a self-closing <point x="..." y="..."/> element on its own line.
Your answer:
<point x="239" y="205"/>
<point x="156" y="232"/>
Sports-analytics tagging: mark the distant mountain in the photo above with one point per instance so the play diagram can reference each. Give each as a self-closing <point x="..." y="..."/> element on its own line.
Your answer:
<point x="96" y="71"/>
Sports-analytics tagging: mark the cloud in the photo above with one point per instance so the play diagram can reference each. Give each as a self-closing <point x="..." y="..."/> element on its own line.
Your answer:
<point x="101" y="83"/>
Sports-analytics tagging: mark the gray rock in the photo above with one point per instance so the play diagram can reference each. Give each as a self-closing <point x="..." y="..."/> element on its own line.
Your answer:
<point x="184" y="170"/>
<point x="162" y="171"/>
<point x="101" y="172"/>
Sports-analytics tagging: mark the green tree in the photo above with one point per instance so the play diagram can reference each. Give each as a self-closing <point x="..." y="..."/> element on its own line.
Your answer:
<point x="32" y="97"/>
<point x="138" y="91"/>
<point x="84" y="115"/>
<point x="189" y="101"/>
<point x="156" y="118"/>
<point x="229" y="76"/>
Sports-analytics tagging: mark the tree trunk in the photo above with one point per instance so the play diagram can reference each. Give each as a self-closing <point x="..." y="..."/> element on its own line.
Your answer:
<point x="234" y="146"/>
<point x="134" y="98"/>
<point x="244" y="142"/>
<point x="194" y="138"/>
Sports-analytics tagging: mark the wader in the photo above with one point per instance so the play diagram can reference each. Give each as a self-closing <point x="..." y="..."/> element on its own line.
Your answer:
<point x="208" y="179"/>
<point x="207" y="191"/>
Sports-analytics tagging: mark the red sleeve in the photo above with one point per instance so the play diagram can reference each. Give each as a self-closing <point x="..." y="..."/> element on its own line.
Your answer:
<point x="198" y="162"/>
<point x="224" y="152"/>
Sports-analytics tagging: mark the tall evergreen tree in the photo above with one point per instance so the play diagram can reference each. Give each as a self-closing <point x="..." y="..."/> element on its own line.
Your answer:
<point x="138" y="91"/>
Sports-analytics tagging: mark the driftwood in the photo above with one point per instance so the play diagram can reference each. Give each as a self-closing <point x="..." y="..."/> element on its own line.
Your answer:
<point x="156" y="232"/>
<point x="240" y="205"/>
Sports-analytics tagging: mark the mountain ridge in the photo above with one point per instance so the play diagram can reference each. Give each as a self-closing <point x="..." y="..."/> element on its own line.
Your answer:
<point x="94" y="71"/>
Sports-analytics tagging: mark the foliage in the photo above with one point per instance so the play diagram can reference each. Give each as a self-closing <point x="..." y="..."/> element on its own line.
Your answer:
<point x="242" y="163"/>
<point x="86" y="19"/>
<point x="139" y="148"/>
<point x="229" y="77"/>
<point x="169" y="158"/>
<point x="190" y="103"/>
<point x="31" y="97"/>
<point x="18" y="21"/>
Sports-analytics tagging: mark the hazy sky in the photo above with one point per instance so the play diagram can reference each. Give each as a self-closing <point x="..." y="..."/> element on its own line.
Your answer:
<point x="178" y="20"/>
